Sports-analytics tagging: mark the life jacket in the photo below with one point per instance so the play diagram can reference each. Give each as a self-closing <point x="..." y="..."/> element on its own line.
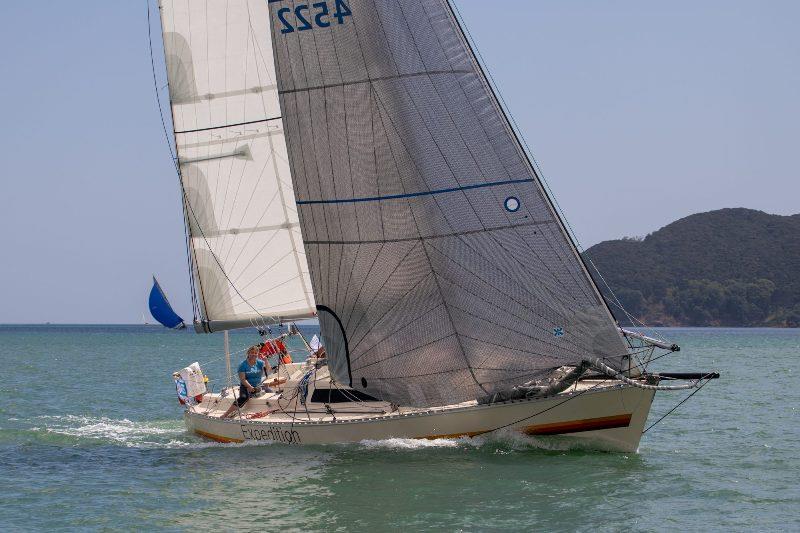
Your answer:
<point x="267" y="349"/>
<point x="285" y="358"/>
<point x="275" y="347"/>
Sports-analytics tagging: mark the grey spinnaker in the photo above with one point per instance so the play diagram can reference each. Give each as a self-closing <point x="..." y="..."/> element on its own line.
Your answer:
<point x="440" y="269"/>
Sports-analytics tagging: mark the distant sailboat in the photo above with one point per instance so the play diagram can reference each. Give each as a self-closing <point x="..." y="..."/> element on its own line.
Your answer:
<point x="162" y="310"/>
<point x="349" y="159"/>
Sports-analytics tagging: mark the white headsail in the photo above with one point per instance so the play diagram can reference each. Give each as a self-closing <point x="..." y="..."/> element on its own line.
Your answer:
<point x="248" y="258"/>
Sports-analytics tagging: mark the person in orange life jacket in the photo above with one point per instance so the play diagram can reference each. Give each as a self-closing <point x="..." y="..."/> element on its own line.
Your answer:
<point x="275" y="347"/>
<point x="251" y="371"/>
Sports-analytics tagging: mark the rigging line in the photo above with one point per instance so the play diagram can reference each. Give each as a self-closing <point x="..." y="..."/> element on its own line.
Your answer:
<point x="495" y="290"/>
<point x="299" y="262"/>
<point x="540" y="262"/>
<point x="678" y="405"/>
<point x="515" y="131"/>
<point x="519" y="279"/>
<point x="372" y="80"/>
<point x="155" y="83"/>
<point x="501" y="160"/>
<point x="542" y="176"/>
<point x="302" y="155"/>
<point x="223" y="126"/>
<point x="373" y="102"/>
<point x="342" y="254"/>
<point x="440" y="236"/>
<point x="257" y="224"/>
<point x="393" y="306"/>
<point x="618" y="303"/>
<point x="225" y="239"/>
<point x="363" y="284"/>
<point x="187" y="235"/>
<point x="244" y="170"/>
<point x="245" y="165"/>
<point x="450" y="115"/>
<point x="408" y="93"/>
<point x="187" y="203"/>
<point x="198" y="303"/>
<point x="332" y="175"/>
<point x="421" y="312"/>
<point x="525" y="373"/>
<point x="502" y="163"/>
<point x="419" y="347"/>
<point x="355" y="399"/>
<point x="416" y="223"/>
<point x="581" y="393"/>
<point x="512" y="330"/>
<point x="442" y="154"/>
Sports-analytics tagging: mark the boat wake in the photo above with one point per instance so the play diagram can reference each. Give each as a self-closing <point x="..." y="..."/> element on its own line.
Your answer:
<point x="499" y="442"/>
<point x="171" y="434"/>
<point x="124" y="432"/>
<point x="410" y="444"/>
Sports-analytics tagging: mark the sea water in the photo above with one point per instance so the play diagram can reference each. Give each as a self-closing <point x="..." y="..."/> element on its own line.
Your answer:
<point x="91" y="438"/>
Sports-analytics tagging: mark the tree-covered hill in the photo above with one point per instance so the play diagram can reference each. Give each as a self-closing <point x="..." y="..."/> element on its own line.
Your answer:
<point x="732" y="267"/>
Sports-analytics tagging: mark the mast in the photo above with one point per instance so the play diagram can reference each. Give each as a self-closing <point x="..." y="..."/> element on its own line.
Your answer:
<point x="228" y="367"/>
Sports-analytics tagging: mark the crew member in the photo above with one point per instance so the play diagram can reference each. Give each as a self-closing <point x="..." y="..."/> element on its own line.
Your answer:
<point x="251" y="371"/>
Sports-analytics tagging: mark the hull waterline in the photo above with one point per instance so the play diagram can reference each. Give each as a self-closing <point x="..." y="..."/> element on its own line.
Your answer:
<point x="609" y="418"/>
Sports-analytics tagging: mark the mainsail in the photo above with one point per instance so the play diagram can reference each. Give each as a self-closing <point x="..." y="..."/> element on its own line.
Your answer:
<point x="246" y="249"/>
<point x="441" y="270"/>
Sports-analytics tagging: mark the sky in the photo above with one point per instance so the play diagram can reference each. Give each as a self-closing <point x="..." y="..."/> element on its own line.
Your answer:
<point x="639" y="113"/>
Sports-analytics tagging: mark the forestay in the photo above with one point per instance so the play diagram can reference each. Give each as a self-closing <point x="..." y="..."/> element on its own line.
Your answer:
<point x="441" y="270"/>
<point x="246" y="248"/>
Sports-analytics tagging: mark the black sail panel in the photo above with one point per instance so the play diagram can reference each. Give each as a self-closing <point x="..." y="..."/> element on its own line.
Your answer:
<point x="440" y="269"/>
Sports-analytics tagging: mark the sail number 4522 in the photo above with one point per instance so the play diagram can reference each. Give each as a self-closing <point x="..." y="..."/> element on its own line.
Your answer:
<point x="318" y="15"/>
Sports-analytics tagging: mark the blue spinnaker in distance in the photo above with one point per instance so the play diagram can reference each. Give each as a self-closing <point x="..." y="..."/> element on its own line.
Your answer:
<point x="161" y="310"/>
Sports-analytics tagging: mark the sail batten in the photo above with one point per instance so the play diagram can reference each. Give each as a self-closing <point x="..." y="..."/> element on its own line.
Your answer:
<point x="246" y="247"/>
<point x="441" y="270"/>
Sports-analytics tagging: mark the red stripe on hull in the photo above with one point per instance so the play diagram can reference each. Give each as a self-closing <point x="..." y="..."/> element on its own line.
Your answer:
<point x="217" y="438"/>
<point x="576" y="426"/>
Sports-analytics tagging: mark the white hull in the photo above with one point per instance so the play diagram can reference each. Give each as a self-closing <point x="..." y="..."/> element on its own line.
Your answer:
<point x="594" y="415"/>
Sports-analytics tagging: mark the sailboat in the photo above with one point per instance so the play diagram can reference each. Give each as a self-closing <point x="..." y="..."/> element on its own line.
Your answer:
<point x="349" y="160"/>
<point x="162" y="310"/>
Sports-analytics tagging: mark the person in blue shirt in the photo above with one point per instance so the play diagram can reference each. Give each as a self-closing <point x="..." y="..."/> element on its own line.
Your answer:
<point x="251" y="370"/>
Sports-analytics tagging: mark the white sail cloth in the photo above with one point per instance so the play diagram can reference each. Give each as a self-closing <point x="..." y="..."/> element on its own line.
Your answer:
<point x="441" y="270"/>
<point x="246" y="247"/>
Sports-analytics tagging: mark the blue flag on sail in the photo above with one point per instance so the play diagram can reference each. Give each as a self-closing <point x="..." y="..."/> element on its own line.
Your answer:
<point x="162" y="310"/>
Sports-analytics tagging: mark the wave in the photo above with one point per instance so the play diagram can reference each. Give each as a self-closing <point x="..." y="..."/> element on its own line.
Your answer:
<point x="502" y="441"/>
<point x="109" y="430"/>
<point x="154" y="434"/>
<point x="398" y="443"/>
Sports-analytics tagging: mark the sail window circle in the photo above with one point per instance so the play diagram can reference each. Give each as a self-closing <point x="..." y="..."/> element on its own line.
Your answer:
<point x="364" y="382"/>
<point x="512" y="204"/>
